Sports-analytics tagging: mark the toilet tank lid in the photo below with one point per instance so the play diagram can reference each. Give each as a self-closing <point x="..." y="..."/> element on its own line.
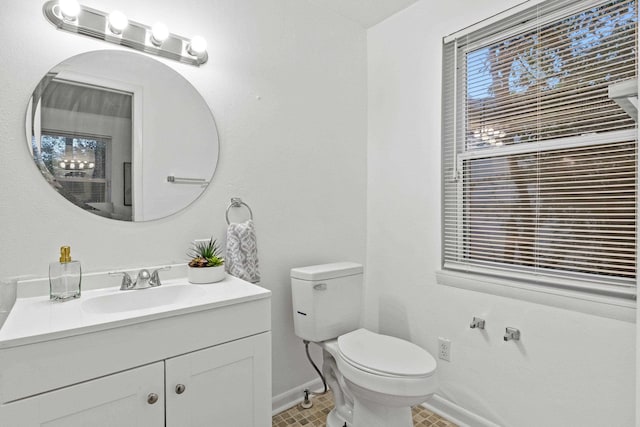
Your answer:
<point x="326" y="271"/>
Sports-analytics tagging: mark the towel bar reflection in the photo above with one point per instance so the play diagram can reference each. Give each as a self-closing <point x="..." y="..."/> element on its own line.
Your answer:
<point x="181" y="180"/>
<point x="237" y="202"/>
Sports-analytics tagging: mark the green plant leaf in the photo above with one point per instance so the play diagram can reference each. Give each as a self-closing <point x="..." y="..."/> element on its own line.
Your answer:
<point x="209" y="251"/>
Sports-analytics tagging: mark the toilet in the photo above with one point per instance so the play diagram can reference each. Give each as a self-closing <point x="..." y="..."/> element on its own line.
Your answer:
<point x="375" y="379"/>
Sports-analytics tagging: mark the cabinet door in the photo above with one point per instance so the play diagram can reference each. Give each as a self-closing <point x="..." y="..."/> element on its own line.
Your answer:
<point x="226" y="385"/>
<point x="115" y="400"/>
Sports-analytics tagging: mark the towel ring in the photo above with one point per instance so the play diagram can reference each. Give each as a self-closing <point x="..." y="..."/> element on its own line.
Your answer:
<point x="237" y="202"/>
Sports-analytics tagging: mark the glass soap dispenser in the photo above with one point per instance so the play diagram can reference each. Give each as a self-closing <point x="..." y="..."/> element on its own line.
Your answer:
<point x="64" y="277"/>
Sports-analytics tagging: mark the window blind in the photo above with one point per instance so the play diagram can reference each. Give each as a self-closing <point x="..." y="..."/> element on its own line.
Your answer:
<point x="539" y="165"/>
<point x="90" y="184"/>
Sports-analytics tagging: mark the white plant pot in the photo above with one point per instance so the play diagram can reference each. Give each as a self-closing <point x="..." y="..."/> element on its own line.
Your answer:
<point x="206" y="274"/>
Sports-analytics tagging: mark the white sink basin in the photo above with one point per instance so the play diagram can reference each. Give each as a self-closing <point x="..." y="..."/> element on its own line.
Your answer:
<point x="142" y="299"/>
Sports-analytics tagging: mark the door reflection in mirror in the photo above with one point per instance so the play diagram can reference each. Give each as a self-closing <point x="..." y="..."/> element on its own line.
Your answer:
<point x="76" y="149"/>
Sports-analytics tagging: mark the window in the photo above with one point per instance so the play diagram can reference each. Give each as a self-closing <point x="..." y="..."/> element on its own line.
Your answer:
<point x="539" y="164"/>
<point x="79" y="164"/>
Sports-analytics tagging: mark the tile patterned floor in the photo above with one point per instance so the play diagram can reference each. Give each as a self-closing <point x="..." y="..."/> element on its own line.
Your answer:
<point x="316" y="415"/>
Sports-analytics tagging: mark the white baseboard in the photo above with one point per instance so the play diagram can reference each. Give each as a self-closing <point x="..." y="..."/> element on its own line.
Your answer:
<point x="455" y="413"/>
<point x="292" y="397"/>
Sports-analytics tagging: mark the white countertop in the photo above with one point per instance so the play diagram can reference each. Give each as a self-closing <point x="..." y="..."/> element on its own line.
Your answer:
<point x="37" y="319"/>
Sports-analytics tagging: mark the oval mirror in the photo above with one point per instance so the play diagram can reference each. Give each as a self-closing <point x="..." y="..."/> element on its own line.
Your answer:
<point x="122" y="135"/>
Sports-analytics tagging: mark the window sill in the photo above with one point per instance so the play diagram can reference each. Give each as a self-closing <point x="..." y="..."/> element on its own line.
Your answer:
<point x="603" y="306"/>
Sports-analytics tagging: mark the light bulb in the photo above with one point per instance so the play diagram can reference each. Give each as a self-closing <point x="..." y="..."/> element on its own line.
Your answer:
<point x="197" y="47"/>
<point x="117" y="22"/>
<point x="91" y="165"/>
<point x="159" y="33"/>
<point x="70" y="9"/>
<point x="81" y="165"/>
<point x="62" y="165"/>
<point x="72" y="166"/>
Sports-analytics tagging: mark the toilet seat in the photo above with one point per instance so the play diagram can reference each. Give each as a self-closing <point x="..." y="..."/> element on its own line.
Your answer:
<point x="382" y="372"/>
<point x="384" y="355"/>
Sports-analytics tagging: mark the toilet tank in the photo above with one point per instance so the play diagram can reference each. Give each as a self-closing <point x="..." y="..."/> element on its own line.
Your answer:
<point x="327" y="300"/>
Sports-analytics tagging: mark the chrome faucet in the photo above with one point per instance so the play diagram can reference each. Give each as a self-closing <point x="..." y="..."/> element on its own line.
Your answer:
<point x="477" y="323"/>
<point x="512" y="334"/>
<point x="154" y="280"/>
<point x="127" y="283"/>
<point x="144" y="280"/>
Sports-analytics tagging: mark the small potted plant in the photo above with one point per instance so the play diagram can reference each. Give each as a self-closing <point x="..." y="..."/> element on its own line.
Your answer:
<point x="206" y="265"/>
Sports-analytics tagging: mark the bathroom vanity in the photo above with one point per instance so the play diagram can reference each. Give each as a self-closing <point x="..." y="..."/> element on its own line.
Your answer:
<point x="176" y="355"/>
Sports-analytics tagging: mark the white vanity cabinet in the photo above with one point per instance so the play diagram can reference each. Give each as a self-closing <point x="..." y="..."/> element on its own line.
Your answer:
<point x="201" y="367"/>
<point x="221" y="386"/>
<point x="115" y="400"/>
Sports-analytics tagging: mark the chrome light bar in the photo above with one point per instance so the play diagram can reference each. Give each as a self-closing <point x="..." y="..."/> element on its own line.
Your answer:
<point x="70" y="16"/>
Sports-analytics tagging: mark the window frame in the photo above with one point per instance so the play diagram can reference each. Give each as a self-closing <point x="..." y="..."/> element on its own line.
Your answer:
<point x="107" y="140"/>
<point x="522" y="285"/>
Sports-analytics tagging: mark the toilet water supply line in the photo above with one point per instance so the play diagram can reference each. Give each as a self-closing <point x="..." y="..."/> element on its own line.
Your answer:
<point x="307" y="403"/>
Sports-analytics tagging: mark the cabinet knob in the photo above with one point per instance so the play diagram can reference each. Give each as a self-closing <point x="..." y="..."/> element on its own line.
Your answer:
<point x="180" y="388"/>
<point x="152" y="398"/>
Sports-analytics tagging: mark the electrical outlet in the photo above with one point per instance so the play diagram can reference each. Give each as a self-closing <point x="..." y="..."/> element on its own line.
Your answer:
<point x="444" y="349"/>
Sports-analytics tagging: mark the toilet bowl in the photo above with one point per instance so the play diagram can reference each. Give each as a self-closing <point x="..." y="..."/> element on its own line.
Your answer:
<point x="385" y="376"/>
<point x="375" y="378"/>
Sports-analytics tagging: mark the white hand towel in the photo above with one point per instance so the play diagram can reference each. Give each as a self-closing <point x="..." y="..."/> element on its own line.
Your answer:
<point x="242" y="252"/>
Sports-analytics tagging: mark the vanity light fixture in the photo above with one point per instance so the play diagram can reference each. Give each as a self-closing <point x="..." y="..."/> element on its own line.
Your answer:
<point x="117" y="22"/>
<point x="70" y="9"/>
<point x="488" y="137"/>
<point x="114" y="27"/>
<point x="159" y="33"/>
<point x="75" y="164"/>
<point x="197" y="47"/>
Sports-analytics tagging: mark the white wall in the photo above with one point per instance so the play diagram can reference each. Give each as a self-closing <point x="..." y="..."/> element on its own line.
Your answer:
<point x="570" y="368"/>
<point x="286" y="82"/>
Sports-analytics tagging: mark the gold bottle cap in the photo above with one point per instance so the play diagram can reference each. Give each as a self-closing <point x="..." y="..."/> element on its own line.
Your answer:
<point x="65" y="254"/>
